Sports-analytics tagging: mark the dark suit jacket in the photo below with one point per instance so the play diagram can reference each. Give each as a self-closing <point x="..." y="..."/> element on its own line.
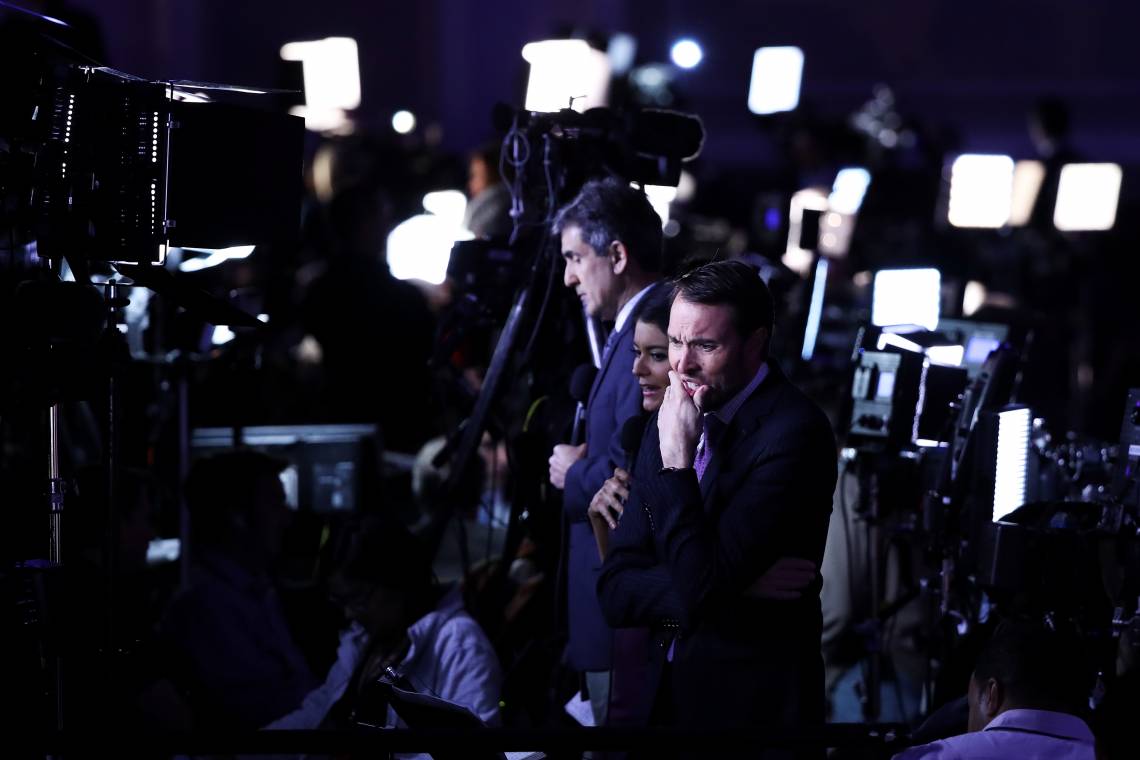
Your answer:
<point x="685" y="552"/>
<point x="614" y="397"/>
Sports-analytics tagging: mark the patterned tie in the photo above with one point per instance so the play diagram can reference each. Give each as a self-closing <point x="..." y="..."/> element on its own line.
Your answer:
<point x="611" y="341"/>
<point x="704" y="451"/>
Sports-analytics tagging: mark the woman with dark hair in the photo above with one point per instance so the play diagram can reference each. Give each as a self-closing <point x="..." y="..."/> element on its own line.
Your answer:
<point x="651" y="366"/>
<point x="628" y="701"/>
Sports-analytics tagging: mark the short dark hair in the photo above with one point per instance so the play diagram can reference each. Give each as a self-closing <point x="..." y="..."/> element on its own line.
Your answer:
<point x="226" y="484"/>
<point x="489" y="153"/>
<point x="654" y="309"/>
<point x="606" y="210"/>
<point x="381" y="551"/>
<point x="1038" y="667"/>
<point x="729" y="283"/>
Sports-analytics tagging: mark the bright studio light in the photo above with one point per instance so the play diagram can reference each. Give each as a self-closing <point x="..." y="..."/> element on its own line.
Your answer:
<point x="449" y="205"/>
<point x="906" y="297"/>
<point x="796" y="257"/>
<point x="331" y="71"/>
<point x="561" y="70"/>
<point x="213" y="257"/>
<point x="981" y="189"/>
<point x="849" y="189"/>
<point x="1027" y="179"/>
<point x="1012" y="460"/>
<point x="1087" y="196"/>
<point x="686" y="53"/>
<point x="162" y="550"/>
<point x="946" y="356"/>
<point x="222" y="334"/>
<point x="815" y="311"/>
<point x="973" y="297"/>
<point x="420" y="248"/>
<point x="622" y="51"/>
<point x="776" y="76"/>
<point x="660" y="196"/>
<point x="403" y="122"/>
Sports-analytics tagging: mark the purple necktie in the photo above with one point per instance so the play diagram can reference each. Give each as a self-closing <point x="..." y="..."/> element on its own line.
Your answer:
<point x="704" y="452"/>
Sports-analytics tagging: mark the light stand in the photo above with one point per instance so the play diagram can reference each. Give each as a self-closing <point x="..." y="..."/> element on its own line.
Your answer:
<point x="865" y="461"/>
<point x="55" y="494"/>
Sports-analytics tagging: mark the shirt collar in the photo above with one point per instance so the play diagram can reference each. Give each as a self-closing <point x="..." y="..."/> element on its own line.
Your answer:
<point x="729" y="409"/>
<point x="449" y="605"/>
<point x="630" y="305"/>
<point x="1043" y="721"/>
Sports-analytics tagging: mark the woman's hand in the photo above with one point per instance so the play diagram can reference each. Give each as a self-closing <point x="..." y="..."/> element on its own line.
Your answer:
<point x="606" y="508"/>
<point x="609" y="502"/>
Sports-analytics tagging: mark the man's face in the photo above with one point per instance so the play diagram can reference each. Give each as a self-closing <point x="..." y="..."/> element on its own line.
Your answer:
<point x="706" y="349"/>
<point x="378" y="609"/>
<point x="592" y="276"/>
<point x="478" y="177"/>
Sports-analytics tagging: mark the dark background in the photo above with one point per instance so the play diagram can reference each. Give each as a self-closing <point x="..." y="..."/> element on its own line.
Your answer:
<point x="975" y="66"/>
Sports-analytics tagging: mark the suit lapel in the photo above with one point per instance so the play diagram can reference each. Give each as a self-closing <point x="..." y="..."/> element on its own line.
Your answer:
<point x="747" y="419"/>
<point x="608" y="358"/>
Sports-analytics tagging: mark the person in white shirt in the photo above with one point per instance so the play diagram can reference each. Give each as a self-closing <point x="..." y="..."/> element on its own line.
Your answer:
<point x="1025" y="696"/>
<point x="401" y="619"/>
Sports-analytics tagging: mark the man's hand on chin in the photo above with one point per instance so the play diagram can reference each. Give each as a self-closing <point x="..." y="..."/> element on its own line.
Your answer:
<point x="679" y="423"/>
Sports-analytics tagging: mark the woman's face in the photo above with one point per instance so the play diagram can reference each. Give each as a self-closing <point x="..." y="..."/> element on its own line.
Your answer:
<point x="650" y="363"/>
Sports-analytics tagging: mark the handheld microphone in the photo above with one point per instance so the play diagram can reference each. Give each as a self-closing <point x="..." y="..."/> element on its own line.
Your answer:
<point x="580" y="383"/>
<point x="631" y="434"/>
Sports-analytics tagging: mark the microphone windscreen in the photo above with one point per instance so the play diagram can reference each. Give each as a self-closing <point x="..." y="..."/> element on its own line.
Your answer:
<point x="632" y="431"/>
<point x="581" y="381"/>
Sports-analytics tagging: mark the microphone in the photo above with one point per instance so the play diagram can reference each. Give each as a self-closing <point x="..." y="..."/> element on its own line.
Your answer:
<point x="631" y="434"/>
<point x="581" y="381"/>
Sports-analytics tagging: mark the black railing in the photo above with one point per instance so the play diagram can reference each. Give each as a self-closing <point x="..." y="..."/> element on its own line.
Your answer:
<point x="472" y="742"/>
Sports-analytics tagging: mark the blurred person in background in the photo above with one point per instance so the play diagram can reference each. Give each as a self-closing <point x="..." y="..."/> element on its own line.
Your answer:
<point x="231" y="651"/>
<point x="1026" y="698"/>
<point x="354" y="308"/>
<point x="400" y="618"/>
<point x="488" y="201"/>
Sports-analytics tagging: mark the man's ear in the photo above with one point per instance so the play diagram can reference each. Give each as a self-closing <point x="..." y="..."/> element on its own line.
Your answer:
<point x="756" y="345"/>
<point x="619" y="256"/>
<point x="991" y="695"/>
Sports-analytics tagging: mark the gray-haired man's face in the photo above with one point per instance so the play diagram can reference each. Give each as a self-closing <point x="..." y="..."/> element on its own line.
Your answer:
<point x="591" y="275"/>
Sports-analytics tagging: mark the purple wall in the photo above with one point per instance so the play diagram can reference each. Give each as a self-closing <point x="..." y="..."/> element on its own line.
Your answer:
<point x="973" y="64"/>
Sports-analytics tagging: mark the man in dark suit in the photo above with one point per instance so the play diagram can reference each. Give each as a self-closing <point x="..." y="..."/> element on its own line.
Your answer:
<point x="736" y="471"/>
<point x="611" y="243"/>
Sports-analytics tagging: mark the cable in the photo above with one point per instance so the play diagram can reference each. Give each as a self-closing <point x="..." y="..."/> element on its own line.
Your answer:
<point x="545" y="301"/>
<point x="531" y="412"/>
<point x="515" y="151"/>
<point x="551" y="203"/>
<point x="490" y="507"/>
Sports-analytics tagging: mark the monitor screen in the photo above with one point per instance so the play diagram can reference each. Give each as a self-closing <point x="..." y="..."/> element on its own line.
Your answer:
<point x="331" y="467"/>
